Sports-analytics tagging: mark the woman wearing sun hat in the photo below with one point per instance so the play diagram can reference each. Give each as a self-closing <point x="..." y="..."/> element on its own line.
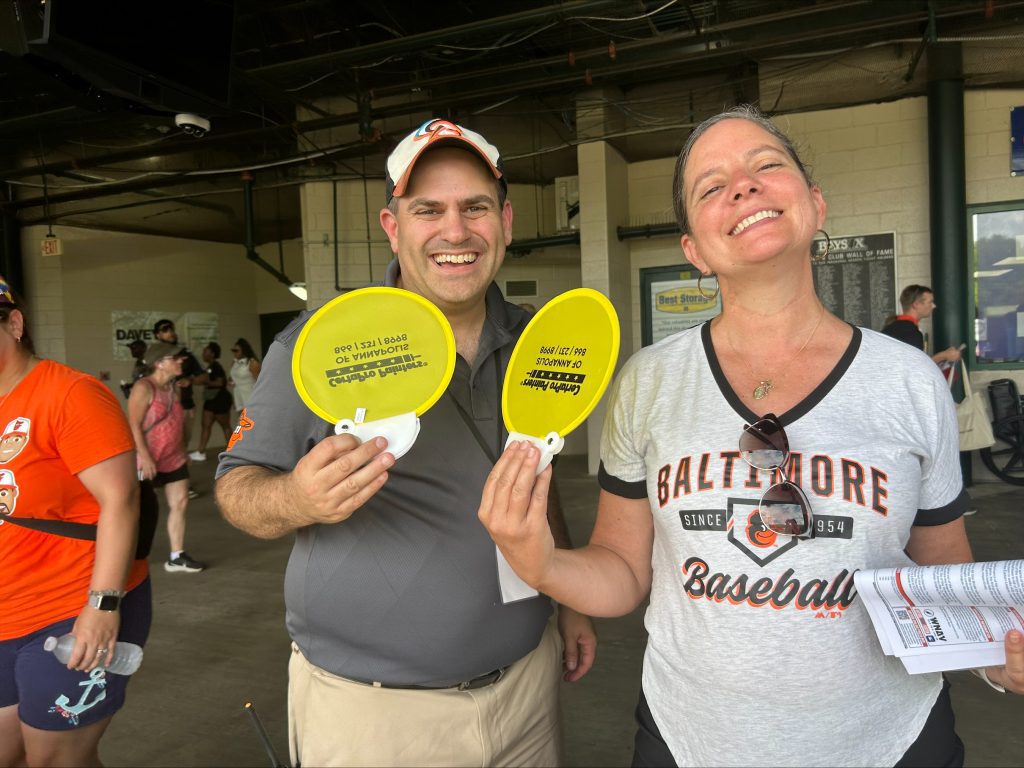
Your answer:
<point x="156" y="418"/>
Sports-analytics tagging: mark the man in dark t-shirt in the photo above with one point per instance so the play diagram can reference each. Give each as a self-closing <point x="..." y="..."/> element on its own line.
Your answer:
<point x="917" y="302"/>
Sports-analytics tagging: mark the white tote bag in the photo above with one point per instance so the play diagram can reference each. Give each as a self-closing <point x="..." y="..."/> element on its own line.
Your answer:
<point x="971" y="413"/>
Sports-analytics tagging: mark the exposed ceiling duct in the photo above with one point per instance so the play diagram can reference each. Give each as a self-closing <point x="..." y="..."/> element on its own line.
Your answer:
<point x="318" y="86"/>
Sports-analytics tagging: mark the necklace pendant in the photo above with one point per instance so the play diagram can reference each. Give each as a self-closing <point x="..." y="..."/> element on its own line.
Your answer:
<point x="762" y="389"/>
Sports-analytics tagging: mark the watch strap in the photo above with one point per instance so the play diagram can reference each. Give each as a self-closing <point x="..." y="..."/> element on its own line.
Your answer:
<point x="105" y="599"/>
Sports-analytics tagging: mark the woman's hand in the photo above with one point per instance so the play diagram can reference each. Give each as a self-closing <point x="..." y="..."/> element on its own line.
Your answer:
<point x="147" y="467"/>
<point x="1011" y="674"/>
<point x="513" y="509"/>
<point x="94" y="630"/>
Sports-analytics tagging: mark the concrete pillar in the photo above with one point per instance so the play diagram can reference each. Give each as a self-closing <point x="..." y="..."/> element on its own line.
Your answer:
<point x="604" y="205"/>
<point x="947" y="204"/>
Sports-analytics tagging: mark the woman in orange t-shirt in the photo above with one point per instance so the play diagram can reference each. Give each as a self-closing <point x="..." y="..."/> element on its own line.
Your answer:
<point x="67" y="460"/>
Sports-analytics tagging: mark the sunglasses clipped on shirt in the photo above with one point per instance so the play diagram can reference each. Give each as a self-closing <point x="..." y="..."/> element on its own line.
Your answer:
<point x="784" y="508"/>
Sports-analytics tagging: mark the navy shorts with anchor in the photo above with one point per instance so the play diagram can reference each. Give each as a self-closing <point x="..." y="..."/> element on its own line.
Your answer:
<point x="52" y="697"/>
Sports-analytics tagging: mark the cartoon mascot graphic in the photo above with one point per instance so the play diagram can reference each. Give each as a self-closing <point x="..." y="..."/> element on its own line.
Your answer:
<point x="8" y="493"/>
<point x="14" y="438"/>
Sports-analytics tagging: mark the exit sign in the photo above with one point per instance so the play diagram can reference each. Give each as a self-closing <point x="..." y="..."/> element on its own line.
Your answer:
<point x="52" y="246"/>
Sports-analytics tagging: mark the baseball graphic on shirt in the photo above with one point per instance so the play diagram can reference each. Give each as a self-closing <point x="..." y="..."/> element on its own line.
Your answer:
<point x="8" y="492"/>
<point x="14" y="438"/>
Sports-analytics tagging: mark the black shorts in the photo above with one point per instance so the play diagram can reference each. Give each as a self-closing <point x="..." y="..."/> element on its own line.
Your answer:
<point x="936" y="745"/>
<point x="163" y="478"/>
<point x="220" y="403"/>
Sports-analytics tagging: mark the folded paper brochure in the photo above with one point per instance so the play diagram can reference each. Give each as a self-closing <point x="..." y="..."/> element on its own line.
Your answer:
<point x="937" y="618"/>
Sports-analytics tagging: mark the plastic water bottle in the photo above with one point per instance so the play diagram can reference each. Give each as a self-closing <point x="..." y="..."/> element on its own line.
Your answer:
<point x="127" y="656"/>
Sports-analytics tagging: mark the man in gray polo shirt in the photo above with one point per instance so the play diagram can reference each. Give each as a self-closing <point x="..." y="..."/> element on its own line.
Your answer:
<point x="403" y="651"/>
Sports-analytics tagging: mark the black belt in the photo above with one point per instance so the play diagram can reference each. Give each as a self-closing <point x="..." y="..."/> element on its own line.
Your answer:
<point x="480" y="681"/>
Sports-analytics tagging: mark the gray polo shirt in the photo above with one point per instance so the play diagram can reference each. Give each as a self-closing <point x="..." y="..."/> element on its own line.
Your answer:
<point x="406" y="590"/>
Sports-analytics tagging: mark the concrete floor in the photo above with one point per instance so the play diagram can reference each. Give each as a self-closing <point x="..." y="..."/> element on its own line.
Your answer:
<point x="218" y="641"/>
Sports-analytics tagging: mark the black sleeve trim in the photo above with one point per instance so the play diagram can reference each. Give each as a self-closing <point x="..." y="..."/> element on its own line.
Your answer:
<point x="946" y="514"/>
<point x="612" y="484"/>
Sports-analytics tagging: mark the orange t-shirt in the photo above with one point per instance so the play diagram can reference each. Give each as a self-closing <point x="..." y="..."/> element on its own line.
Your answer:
<point x="56" y="422"/>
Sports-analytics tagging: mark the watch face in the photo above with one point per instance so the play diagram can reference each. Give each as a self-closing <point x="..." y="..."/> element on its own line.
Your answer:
<point x="108" y="602"/>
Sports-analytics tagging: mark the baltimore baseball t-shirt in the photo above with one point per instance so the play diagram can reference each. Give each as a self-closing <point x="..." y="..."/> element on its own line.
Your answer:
<point x="760" y="652"/>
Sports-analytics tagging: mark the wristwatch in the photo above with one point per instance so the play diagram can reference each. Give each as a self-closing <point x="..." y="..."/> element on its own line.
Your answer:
<point x="105" y="599"/>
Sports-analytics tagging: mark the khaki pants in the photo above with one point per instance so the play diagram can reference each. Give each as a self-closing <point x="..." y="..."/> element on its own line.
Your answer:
<point x="515" y="722"/>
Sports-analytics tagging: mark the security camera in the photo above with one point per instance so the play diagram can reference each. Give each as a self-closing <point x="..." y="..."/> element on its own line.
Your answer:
<point x="193" y="125"/>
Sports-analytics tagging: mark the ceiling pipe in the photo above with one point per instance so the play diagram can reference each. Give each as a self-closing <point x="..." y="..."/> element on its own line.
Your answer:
<point x="545" y="82"/>
<point x="170" y="180"/>
<point x="408" y="43"/>
<point x="250" y="248"/>
<point x="647" y="230"/>
<point x="624" y="49"/>
<point x="523" y="247"/>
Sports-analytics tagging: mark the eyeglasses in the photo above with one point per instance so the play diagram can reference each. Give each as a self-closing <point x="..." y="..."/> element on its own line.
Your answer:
<point x="784" y="508"/>
<point x="165" y="328"/>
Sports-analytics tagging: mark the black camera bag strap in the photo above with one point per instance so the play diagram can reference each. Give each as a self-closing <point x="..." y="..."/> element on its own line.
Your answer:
<point x="149" y="509"/>
<point x="57" y="527"/>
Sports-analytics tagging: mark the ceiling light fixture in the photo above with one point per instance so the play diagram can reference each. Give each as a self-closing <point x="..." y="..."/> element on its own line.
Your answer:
<point x="299" y="289"/>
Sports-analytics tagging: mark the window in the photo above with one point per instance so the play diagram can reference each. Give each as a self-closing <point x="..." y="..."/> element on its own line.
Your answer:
<point x="997" y="298"/>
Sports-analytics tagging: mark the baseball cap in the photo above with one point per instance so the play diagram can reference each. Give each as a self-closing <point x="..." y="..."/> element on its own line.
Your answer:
<point x="161" y="349"/>
<point x="430" y="135"/>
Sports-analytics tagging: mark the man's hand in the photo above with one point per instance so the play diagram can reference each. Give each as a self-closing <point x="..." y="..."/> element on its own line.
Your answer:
<point x="580" y="641"/>
<point x="338" y="476"/>
<point x="513" y="509"/>
<point x="327" y="485"/>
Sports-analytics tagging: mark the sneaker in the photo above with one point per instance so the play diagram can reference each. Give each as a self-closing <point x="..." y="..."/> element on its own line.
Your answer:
<point x="193" y="494"/>
<point x="197" y="456"/>
<point x="184" y="563"/>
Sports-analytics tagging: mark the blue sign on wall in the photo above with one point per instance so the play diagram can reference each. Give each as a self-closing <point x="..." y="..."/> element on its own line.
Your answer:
<point x="1017" y="141"/>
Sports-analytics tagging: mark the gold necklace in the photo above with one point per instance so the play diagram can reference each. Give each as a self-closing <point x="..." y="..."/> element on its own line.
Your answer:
<point x="764" y="386"/>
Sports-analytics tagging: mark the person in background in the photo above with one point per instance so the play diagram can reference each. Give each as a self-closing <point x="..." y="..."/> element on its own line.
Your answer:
<point x="73" y="469"/>
<point x="244" y="371"/>
<point x="216" y="399"/>
<point x="138" y="352"/>
<point x="155" y="414"/>
<point x="749" y="467"/>
<point x="164" y="331"/>
<point x="137" y="348"/>
<point x="404" y="652"/>
<point x="917" y="302"/>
